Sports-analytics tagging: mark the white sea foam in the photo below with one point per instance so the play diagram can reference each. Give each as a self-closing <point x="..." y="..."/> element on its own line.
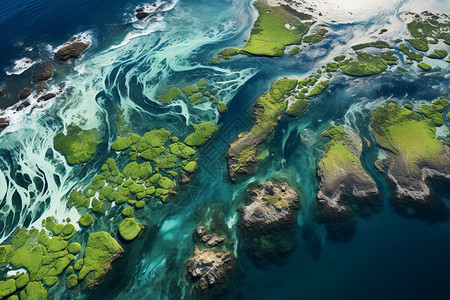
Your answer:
<point x="20" y="66"/>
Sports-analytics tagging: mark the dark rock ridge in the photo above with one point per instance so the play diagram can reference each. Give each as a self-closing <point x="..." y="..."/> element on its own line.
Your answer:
<point x="46" y="97"/>
<point x="210" y="240"/>
<point x="22" y="105"/>
<point x="71" y="49"/>
<point x="269" y="223"/>
<point x="25" y="93"/>
<point x="4" y="122"/>
<point x="345" y="188"/>
<point x="44" y="72"/>
<point x="209" y="268"/>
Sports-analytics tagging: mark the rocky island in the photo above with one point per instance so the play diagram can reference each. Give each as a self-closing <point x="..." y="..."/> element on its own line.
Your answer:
<point x="345" y="188"/>
<point x="269" y="222"/>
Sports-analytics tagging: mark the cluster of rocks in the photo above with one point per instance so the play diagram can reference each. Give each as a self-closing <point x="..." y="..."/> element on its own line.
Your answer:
<point x="209" y="268"/>
<point x="210" y="240"/>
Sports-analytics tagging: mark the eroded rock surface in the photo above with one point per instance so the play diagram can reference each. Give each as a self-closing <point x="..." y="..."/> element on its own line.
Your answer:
<point x="43" y="72"/>
<point x="71" y="49"/>
<point x="210" y="240"/>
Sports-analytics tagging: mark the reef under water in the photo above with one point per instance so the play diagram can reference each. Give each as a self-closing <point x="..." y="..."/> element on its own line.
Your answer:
<point x="231" y="150"/>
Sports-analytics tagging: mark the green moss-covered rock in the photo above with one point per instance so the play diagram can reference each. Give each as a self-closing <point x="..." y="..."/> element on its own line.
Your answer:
<point x="190" y="89"/>
<point x="410" y="54"/>
<point x="22" y="281"/>
<point x="202" y="133"/>
<point x="367" y="64"/>
<point x="129" y="229"/>
<point x="78" y="265"/>
<point x="86" y="220"/>
<point x="35" y="291"/>
<point x="128" y="212"/>
<point x="169" y="95"/>
<point x="181" y="150"/>
<point x="438" y="54"/>
<point x="434" y="111"/>
<point x="74" y="248"/>
<point x="72" y="281"/>
<point x="294" y="50"/>
<point x="50" y="280"/>
<point x="7" y="287"/>
<point x="77" y="199"/>
<point x="121" y="144"/>
<point x="190" y="167"/>
<point x="424" y="66"/>
<point x="222" y="107"/>
<point x="297" y="107"/>
<point x="376" y="44"/>
<point x="139" y="204"/>
<point x="78" y="146"/>
<point x="101" y="250"/>
<point x="270" y="35"/>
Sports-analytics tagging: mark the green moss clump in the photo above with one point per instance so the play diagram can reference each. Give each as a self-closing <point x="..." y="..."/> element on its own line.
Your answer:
<point x="101" y="250"/>
<point x="214" y="91"/>
<point x="419" y="44"/>
<point x="438" y="54"/>
<point x="388" y="56"/>
<point x="410" y="54"/>
<point x="129" y="229"/>
<point x="227" y="53"/>
<point x="319" y="88"/>
<point x="7" y="287"/>
<point x="434" y="111"/>
<point x="367" y="64"/>
<point x="215" y="61"/>
<point x="86" y="220"/>
<point x="78" y="146"/>
<point x="77" y="199"/>
<point x="190" y="89"/>
<point x="222" y="107"/>
<point x="128" y="212"/>
<point x="269" y="35"/>
<point x="72" y="281"/>
<point x="139" y="204"/>
<point x="332" y="67"/>
<point x="190" y="167"/>
<point x="195" y="97"/>
<point x="181" y="150"/>
<point x="202" y="133"/>
<point x="424" y="66"/>
<point x="377" y="44"/>
<point x="339" y="58"/>
<point x="34" y="290"/>
<point x="294" y="50"/>
<point x="297" y="107"/>
<point x="74" y="248"/>
<point x="22" y="281"/>
<point x="96" y="205"/>
<point x="408" y="106"/>
<point x="169" y="95"/>
<point x="121" y="144"/>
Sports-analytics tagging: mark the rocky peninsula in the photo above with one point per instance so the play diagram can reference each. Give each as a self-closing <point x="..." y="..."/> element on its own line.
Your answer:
<point x="415" y="157"/>
<point x="345" y="188"/>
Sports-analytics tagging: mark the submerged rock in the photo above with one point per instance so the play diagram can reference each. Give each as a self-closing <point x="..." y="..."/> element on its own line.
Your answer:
<point x="3" y="90"/>
<point x="71" y="49"/>
<point x="345" y="188"/>
<point x="415" y="157"/>
<point x="25" y="93"/>
<point x="46" y="97"/>
<point x="268" y="223"/>
<point x="209" y="268"/>
<point x="44" y="72"/>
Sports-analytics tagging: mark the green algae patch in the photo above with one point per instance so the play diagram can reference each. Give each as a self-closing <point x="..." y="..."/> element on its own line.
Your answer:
<point x="121" y="144"/>
<point x="316" y="35"/>
<point x="22" y="281"/>
<point x="86" y="220"/>
<point x="438" y="54"/>
<point x="169" y="95"/>
<point x="74" y="248"/>
<point x="190" y="89"/>
<point x="367" y="64"/>
<point x="296" y="108"/>
<point x="434" y="111"/>
<point x="129" y="229"/>
<point x="35" y="291"/>
<point x="222" y="107"/>
<point x="7" y="287"/>
<point x="424" y="66"/>
<point x="294" y="50"/>
<point x="410" y="54"/>
<point x="101" y="250"/>
<point x="202" y="133"/>
<point x="319" y="88"/>
<point x="78" y="146"/>
<point x="377" y="44"/>
<point x="72" y="281"/>
<point x="270" y="35"/>
<point x="128" y="212"/>
<point x="419" y="44"/>
<point x="388" y="56"/>
<point x="190" y="167"/>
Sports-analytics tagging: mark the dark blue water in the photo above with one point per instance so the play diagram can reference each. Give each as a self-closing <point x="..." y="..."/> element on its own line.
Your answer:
<point x="389" y="257"/>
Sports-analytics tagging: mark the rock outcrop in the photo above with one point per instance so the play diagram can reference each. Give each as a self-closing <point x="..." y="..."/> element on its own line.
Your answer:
<point x="43" y="72"/>
<point x="210" y="240"/>
<point x="345" y="188"/>
<point x="71" y="49"/>
<point x="269" y="222"/>
<point x="4" y="122"/>
<point x="25" y="93"/>
<point x="415" y="157"/>
<point x="209" y="268"/>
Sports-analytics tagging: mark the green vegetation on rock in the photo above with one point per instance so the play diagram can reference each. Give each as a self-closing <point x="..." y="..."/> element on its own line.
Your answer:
<point x="270" y="35"/>
<point x="72" y="281"/>
<point x="297" y="107"/>
<point x="316" y="35"/>
<point x="424" y="66"/>
<point x="410" y="54"/>
<point x="434" y="111"/>
<point x="377" y="44"/>
<point x="438" y="54"/>
<point x="202" y="133"/>
<point x="129" y="229"/>
<point x="367" y="64"/>
<point x="86" y="220"/>
<point x="78" y="146"/>
<point x="419" y="44"/>
<point x="169" y="95"/>
<point x="222" y="107"/>
<point x="294" y="50"/>
<point x="121" y="144"/>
